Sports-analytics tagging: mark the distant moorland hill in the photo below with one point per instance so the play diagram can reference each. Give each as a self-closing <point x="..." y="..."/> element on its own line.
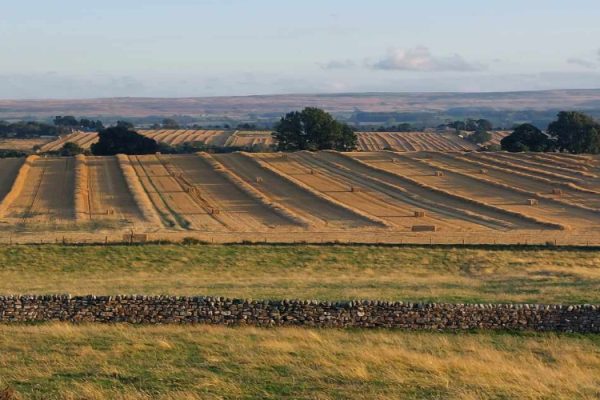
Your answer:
<point x="427" y="108"/>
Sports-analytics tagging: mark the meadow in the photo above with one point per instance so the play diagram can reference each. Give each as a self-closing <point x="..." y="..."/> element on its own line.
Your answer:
<point x="441" y="274"/>
<point x="59" y="361"/>
<point x="80" y="361"/>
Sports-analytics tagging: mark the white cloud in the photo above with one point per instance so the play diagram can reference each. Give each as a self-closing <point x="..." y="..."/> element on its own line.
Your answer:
<point x="338" y="64"/>
<point x="420" y="59"/>
<point x="582" y="63"/>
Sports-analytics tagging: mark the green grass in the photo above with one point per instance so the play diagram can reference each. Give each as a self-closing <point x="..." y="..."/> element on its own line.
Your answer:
<point x="63" y="361"/>
<point x="308" y="272"/>
<point x="59" y="361"/>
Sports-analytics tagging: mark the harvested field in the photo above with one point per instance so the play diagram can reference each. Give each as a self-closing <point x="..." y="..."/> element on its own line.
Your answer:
<point x="23" y="144"/>
<point x="497" y="194"/>
<point x="47" y="194"/>
<point x="215" y="138"/>
<point x="212" y="188"/>
<point x="367" y="141"/>
<point x="303" y="202"/>
<point x="431" y="197"/>
<point x="178" y="208"/>
<point x="82" y="139"/>
<point x="412" y="141"/>
<point x="250" y="139"/>
<point x="12" y="179"/>
<point x="109" y="196"/>
<point x="382" y="196"/>
<point x="497" y="136"/>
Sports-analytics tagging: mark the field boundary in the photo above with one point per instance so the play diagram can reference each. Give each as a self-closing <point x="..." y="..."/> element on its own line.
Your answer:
<point x="137" y="309"/>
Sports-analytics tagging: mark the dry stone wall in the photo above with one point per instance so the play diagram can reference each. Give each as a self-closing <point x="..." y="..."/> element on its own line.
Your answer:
<point x="310" y="313"/>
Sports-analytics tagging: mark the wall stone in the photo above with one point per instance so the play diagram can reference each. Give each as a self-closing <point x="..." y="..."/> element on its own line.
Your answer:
<point x="310" y="313"/>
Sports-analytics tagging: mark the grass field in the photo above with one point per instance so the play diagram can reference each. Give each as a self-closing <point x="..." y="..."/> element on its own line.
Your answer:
<point x="170" y="362"/>
<point x="307" y="272"/>
<point x="64" y="361"/>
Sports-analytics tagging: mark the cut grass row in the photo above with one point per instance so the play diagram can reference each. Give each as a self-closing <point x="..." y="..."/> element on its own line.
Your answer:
<point x="306" y="272"/>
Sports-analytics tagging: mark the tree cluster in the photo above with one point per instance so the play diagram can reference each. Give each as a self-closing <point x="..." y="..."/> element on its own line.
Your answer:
<point x="313" y="129"/>
<point x="26" y="129"/>
<point x="70" y="122"/>
<point x="571" y="132"/>
<point x="479" y="137"/>
<point x="404" y="127"/>
<point x="471" y="125"/>
<point x="123" y="140"/>
<point x="527" y="137"/>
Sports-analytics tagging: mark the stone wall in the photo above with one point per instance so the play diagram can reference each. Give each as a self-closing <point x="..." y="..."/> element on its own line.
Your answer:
<point x="359" y="314"/>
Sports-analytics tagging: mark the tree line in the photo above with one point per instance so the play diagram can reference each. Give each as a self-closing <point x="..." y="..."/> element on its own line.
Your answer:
<point x="27" y="129"/>
<point x="571" y="132"/>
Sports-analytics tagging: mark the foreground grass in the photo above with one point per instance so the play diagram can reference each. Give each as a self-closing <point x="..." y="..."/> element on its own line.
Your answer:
<point x="332" y="273"/>
<point x="60" y="361"/>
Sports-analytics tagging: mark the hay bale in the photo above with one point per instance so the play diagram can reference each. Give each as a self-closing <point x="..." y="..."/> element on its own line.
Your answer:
<point x="424" y="228"/>
<point x="557" y="191"/>
<point x="532" y="202"/>
<point x="439" y="173"/>
<point x="483" y="171"/>
<point x="259" y="179"/>
<point x="356" y="189"/>
<point x="419" y="214"/>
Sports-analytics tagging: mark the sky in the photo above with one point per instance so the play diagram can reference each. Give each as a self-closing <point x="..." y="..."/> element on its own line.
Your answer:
<point x="188" y="48"/>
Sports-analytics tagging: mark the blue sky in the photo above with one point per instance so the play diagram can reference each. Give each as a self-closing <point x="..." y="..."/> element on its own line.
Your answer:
<point x="76" y="49"/>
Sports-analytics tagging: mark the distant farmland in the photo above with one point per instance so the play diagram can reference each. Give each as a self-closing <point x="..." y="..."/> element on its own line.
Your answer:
<point x="263" y="140"/>
<point x="419" y="196"/>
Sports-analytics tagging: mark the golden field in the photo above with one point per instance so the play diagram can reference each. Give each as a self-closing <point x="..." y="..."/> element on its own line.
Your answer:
<point x="370" y="197"/>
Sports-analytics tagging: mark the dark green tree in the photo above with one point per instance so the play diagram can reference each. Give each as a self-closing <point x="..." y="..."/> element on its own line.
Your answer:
<point x="480" y="136"/>
<point x="91" y="124"/>
<point x="124" y="124"/>
<point x="471" y="125"/>
<point x="67" y="121"/>
<point x="484" y="125"/>
<point x="70" y="149"/>
<point x="170" y="123"/>
<point x="575" y="132"/>
<point x="121" y="140"/>
<point x="458" y="125"/>
<point x="313" y="129"/>
<point x="527" y="137"/>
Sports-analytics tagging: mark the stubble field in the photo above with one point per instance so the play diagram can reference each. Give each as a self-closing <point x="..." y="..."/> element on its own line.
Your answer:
<point x="371" y="197"/>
